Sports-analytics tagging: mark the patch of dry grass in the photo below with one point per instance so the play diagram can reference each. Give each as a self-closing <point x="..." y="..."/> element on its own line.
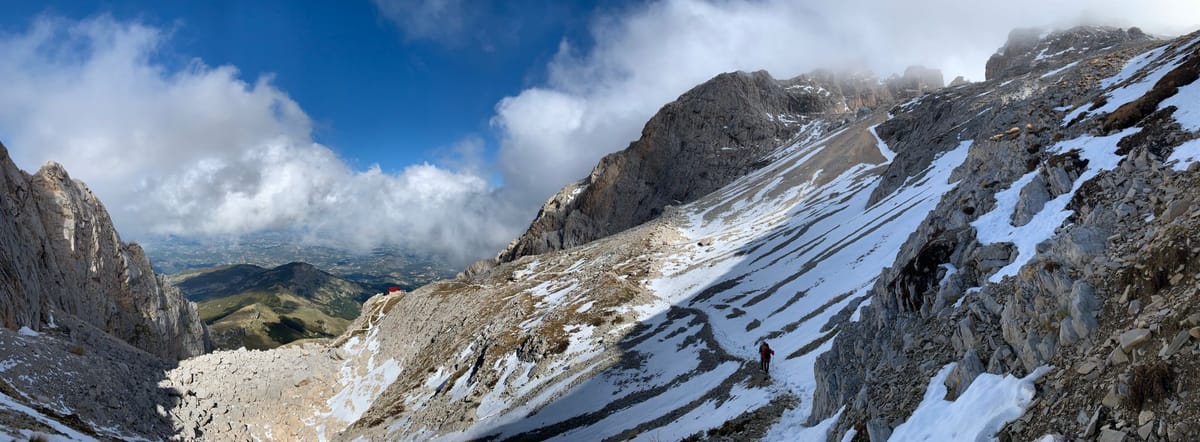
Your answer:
<point x="1150" y="383"/>
<point x="1132" y="112"/>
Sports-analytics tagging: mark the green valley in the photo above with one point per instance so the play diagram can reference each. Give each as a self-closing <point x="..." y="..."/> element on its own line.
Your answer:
<point x="259" y="308"/>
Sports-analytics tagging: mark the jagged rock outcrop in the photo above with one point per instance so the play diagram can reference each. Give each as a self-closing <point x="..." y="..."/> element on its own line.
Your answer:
<point x="1094" y="182"/>
<point x="1031" y="48"/>
<point x="60" y="255"/>
<point x="710" y="136"/>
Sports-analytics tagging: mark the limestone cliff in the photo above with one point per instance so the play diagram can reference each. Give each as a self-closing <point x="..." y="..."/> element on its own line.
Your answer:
<point x="60" y="255"/>
<point x="1031" y="48"/>
<point x="711" y="135"/>
<point x="1068" y="241"/>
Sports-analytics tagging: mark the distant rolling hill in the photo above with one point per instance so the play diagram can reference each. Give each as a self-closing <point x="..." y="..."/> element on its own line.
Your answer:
<point x="258" y="308"/>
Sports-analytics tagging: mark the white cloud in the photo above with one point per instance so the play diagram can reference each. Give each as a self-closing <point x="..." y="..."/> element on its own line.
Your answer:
<point x="426" y="19"/>
<point x="597" y="101"/>
<point x="201" y="151"/>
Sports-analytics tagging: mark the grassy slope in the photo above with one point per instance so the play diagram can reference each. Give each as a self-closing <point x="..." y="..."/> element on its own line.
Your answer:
<point x="260" y="320"/>
<point x="267" y="317"/>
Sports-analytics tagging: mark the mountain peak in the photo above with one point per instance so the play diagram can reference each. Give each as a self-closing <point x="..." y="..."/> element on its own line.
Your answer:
<point x="1029" y="48"/>
<point x="711" y="135"/>
<point x="63" y="257"/>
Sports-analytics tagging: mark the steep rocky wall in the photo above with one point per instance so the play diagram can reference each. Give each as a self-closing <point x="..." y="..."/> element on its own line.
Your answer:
<point x="60" y="255"/>
<point x="1030" y="48"/>
<point x="1106" y="294"/>
<point x="710" y="136"/>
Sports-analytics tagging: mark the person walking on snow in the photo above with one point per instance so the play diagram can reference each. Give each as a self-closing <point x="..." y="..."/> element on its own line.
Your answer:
<point x="765" y="352"/>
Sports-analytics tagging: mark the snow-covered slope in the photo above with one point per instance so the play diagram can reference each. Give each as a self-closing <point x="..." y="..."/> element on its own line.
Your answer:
<point x="875" y="233"/>
<point x="1036" y="266"/>
<point x="788" y="254"/>
<point x="712" y="279"/>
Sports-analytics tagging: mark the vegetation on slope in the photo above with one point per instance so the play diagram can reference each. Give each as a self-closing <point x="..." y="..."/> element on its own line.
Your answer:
<point x="257" y="308"/>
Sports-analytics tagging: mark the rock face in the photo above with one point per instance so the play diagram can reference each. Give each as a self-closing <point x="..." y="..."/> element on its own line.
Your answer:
<point x="708" y="137"/>
<point x="60" y="255"/>
<point x="1103" y="292"/>
<point x="87" y="380"/>
<point x="1031" y="48"/>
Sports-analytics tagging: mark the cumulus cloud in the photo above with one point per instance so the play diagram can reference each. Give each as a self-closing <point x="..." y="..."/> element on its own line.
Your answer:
<point x="199" y="151"/>
<point x="595" y="101"/>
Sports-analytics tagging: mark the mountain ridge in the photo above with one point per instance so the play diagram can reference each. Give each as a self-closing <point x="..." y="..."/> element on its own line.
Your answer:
<point x="259" y="308"/>
<point x="63" y="256"/>
<point x="709" y="136"/>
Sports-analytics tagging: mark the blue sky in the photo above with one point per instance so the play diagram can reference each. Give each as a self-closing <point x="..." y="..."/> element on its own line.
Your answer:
<point x="376" y="95"/>
<point x="439" y="126"/>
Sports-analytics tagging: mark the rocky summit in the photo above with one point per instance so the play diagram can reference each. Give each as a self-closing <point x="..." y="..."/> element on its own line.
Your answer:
<point x="713" y="134"/>
<point x="62" y="257"/>
<point x="1012" y="259"/>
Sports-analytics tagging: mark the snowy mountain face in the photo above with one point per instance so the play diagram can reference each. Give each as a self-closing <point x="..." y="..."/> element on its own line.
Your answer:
<point x="1059" y="255"/>
<point x="710" y="136"/>
<point x="1009" y="259"/>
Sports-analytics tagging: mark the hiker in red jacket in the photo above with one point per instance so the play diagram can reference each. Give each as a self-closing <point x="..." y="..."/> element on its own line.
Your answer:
<point x="765" y="352"/>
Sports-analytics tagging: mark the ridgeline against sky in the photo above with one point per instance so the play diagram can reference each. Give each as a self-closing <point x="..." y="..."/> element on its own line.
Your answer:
<point x="439" y="126"/>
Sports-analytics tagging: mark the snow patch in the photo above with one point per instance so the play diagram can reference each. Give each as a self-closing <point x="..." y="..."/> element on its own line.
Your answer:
<point x="1042" y="55"/>
<point x="950" y="271"/>
<point x="575" y="193"/>
<point x="1132" y="91"/>
<point x="970" y="291"/>
<point x="9" y="404"/>
<point x="1082" y="109"/>
<point x="1184" y="155"/>
<point x="978" y="414"/>
<point x="996" y="226"/>
<point x="1134" y="65"/>
<point x="709" y="415"/>
<point x="788" y="430"/>
<point x="887" y="153"/>
<point x="1187" y="112"/>
<point x="1059" y="70"/>
<point x="361" y="385"/>
<point x="585" y="307"/>
<point x="688" y="391"/>
<point x="838" y="234"/>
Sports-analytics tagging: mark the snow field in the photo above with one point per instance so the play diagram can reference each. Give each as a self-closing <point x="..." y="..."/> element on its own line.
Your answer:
<point x="814" y="233"/>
